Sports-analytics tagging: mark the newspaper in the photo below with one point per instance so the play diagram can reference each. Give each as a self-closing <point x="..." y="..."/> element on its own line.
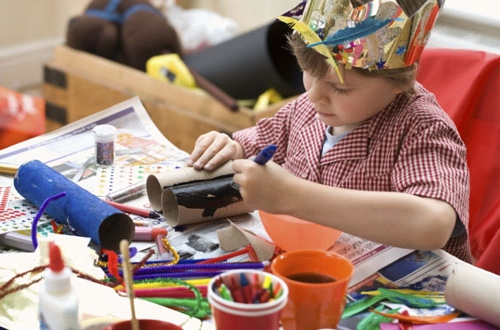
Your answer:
<point x="140" y="148"/>
<point x="367" y="256"/>
<point x="425" y="271"/>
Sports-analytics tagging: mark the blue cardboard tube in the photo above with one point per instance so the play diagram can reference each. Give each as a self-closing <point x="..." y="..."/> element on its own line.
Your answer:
<point x="86" y="213"/>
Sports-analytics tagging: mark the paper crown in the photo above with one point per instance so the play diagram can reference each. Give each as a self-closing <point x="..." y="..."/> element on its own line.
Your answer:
<point x="379" y="34"/>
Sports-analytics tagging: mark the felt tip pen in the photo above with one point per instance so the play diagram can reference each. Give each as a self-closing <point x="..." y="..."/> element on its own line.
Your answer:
<point x="163" y="253"/>
<point x="127" y="193"/>
<point x="225" y="293"/>
<point x="134" y="210"/>
<point x="265" y="155"/>
<point x="8" y="169"/>
<point x="247" y="290"/>
<point x="146" y="234"/>
<point x="19" y="240"/>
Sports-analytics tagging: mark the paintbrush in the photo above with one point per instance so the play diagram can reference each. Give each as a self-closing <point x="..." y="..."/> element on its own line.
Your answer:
<point x="127" y="277"/>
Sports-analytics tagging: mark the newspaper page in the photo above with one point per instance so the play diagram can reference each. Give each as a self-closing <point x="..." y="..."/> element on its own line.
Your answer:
<point x="140" y="149"/>
<point x="367" y="256"/>
<point x="424" y="271"/>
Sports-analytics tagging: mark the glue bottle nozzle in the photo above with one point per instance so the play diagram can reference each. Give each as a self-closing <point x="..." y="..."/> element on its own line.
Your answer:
<point x="56" y="261"/>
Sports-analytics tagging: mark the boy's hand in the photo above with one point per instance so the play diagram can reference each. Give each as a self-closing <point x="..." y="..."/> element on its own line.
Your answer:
<point x="264" y="187"/>
<point x="213" y="150"/>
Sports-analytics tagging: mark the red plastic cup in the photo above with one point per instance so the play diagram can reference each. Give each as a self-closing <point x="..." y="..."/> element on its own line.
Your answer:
<point x="230" y="315"/>
<point x="315" y="302"/>
<point x="144" y="324"/>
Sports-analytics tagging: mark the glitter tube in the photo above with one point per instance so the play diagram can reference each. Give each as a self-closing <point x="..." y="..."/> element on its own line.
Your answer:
<point x="86" y="213"/>
<point x="104" y="136"/>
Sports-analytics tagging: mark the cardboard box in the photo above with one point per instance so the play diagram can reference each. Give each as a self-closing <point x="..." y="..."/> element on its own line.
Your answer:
<point x="77" y="84"/>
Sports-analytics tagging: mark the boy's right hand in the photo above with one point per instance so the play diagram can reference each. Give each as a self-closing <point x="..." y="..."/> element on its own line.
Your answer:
<point x="212" y="150"/>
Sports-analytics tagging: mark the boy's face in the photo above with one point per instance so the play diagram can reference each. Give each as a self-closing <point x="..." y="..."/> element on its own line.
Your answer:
<point x="349" y="104"/>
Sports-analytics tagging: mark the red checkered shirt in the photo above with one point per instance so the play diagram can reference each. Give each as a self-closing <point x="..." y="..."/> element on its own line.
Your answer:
<point x="412" y="146"/>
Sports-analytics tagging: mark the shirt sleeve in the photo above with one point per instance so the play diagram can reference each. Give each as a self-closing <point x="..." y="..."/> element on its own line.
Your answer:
<point x="432" y="163"/>
<point x="270" y="130"/>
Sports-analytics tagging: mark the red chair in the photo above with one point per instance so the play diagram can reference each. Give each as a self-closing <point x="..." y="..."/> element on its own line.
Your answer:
<point x="467" y="85"/>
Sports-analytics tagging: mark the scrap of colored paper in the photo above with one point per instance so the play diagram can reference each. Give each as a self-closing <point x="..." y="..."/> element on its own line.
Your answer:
<point x="4" y="198"/>
<point x="420" y="319"/>
<point x="462" y="325"/>
<point x="19" y="215"/>
<point x="117" y="177"/>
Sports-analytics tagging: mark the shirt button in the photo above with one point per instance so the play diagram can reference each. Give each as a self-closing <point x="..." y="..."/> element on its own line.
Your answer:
<point x="304" y="175"/>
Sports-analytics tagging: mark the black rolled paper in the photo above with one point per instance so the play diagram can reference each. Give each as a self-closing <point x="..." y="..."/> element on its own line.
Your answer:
<point x="86" y="213"/>
<point x="248" y="65"/>
<point x="208" y="195"/>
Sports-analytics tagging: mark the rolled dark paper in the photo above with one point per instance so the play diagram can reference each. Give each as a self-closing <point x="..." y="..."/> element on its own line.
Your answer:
<point x="248" y="65"/>
<point x="187" y="196"/>
<point x="86" y="213"/>
<point x="204" y="200"/>
<point x="208" y="195"/>
<point x="215" y="91"/>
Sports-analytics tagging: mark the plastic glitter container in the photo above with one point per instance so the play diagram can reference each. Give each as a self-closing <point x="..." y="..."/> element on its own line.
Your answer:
<point x="104" y="136"/>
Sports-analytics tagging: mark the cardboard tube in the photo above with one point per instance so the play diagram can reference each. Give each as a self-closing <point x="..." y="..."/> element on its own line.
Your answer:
<point x="474" y="291"/>
<point x="156" y="183"/>
<point x="163" y="190"/>
<point x="176" y="215"/>
<point x="86" y="213"/>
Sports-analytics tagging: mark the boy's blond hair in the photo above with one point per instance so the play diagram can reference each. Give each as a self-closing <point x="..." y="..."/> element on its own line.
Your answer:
<point x="315" y="64"/>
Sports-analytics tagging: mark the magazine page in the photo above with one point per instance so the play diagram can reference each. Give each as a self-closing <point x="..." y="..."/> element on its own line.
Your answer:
<point x="140" y="149"/>
<point x="414" y="284"/>
<point x="367" y="256"/>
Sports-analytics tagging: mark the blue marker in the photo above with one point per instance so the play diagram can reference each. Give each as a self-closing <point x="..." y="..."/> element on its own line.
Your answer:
<point x="265" y="155"/>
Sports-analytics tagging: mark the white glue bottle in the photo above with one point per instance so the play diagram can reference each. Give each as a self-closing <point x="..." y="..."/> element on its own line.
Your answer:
<point x="58" y="300"/>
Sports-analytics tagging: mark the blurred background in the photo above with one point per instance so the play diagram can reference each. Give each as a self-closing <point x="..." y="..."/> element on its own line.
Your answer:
<point x="31" y="28"/>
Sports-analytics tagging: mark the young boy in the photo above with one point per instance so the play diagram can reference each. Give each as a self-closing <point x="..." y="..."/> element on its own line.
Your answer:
<point x="366" y="149"/>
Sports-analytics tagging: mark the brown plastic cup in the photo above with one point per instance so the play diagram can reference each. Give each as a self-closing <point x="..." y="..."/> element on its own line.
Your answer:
<point x="317" y="283"/>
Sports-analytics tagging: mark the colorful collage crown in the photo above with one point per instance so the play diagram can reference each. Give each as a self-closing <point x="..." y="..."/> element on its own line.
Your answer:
<point x="378" y="34"/>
